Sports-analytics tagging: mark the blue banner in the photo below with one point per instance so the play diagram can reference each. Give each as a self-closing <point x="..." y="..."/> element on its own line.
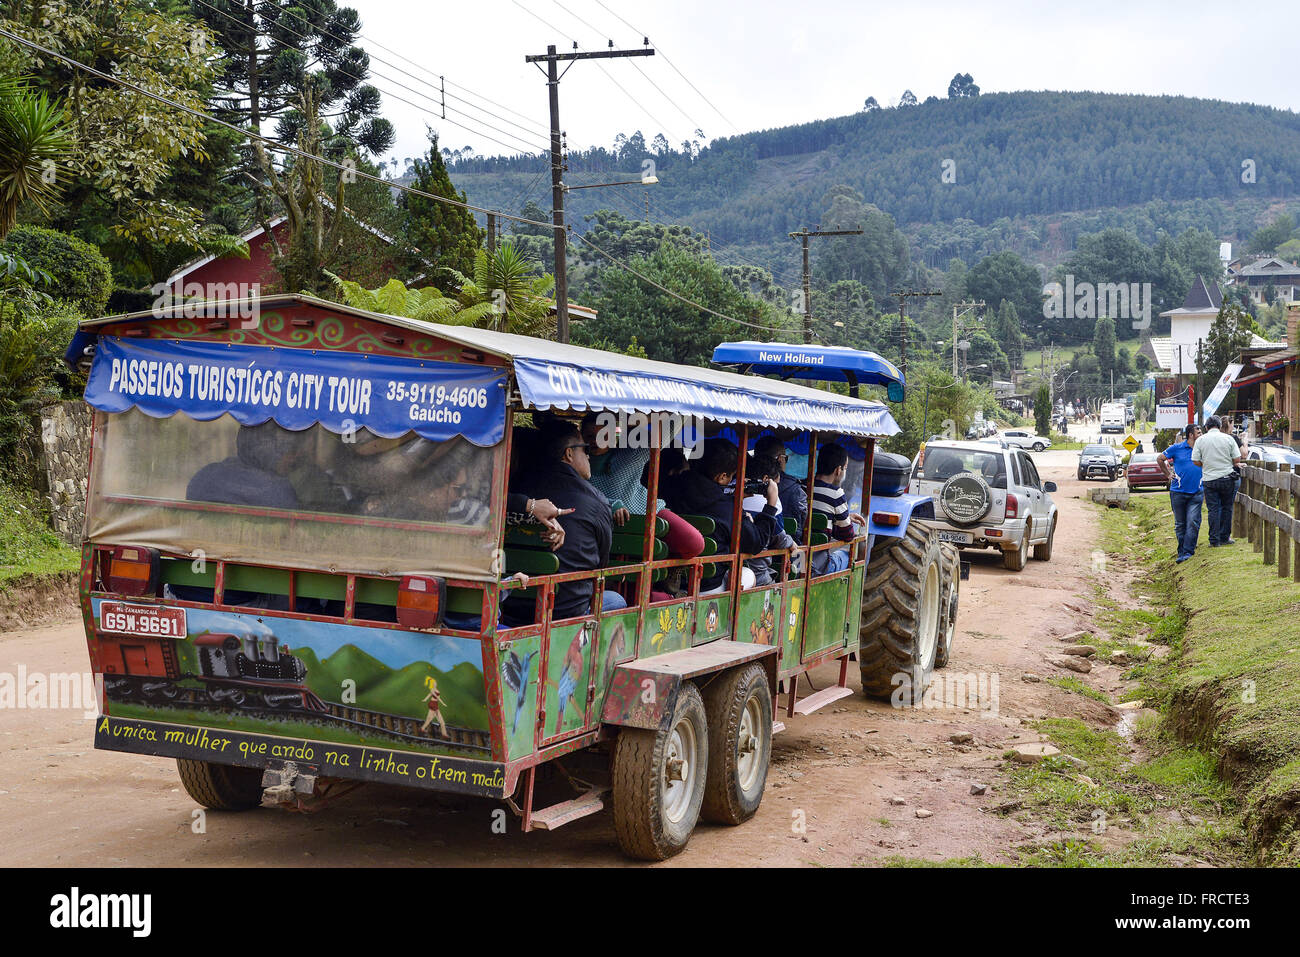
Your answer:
<point x="558" y="385"/>
<point x="299" y="388"/>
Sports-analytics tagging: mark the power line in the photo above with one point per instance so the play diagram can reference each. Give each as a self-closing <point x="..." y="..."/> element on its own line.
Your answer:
<point x="646" y="279"/>
<point x="674" y="66"/>
<point x="400" y="99"/>
<point x="442" y="79"/>
<point x="303" y="154"/>
<point x="690" y="119"/>
<point x="577" y="45"/>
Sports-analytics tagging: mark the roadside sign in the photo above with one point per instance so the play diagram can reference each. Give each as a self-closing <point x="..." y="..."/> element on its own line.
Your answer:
<point x="1172" y="415"/>
<point x="1130" y="443"/>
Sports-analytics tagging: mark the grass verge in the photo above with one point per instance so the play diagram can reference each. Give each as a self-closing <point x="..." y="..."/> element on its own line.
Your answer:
<point x="27" y="546"/>
<point x="1230" y="685"/>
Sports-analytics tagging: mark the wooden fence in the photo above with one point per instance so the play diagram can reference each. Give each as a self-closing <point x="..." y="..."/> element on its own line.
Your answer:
<point x="1267" y="512"/>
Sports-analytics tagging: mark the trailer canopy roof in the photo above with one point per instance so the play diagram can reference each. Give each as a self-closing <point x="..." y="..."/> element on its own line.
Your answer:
<point x="552" y="375"/>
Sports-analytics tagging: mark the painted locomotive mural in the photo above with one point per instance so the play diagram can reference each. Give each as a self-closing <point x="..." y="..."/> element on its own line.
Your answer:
<point x="303" y="678"/>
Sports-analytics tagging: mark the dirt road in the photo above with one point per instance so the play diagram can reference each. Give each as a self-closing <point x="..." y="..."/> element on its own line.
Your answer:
<point x="855" y="774"/>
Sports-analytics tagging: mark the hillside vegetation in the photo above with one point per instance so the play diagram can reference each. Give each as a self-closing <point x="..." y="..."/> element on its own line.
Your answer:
<point x="1024" y="171"/>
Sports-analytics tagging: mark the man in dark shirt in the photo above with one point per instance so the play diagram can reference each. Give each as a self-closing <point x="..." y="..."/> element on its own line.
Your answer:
<point x="257" y="474"/>
<point x="794" y="500"/>
<point x="701" y="490"/>
<point x="562" y="476"/>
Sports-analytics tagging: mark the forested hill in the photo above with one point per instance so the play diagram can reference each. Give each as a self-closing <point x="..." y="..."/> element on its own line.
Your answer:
<point x="1015" y="163"/>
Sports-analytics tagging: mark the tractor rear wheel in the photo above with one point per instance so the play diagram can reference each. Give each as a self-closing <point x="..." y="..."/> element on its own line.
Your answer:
<point x="948" y="604"/>
<point x="898" y="635"/>
<point x="221" y="787"/>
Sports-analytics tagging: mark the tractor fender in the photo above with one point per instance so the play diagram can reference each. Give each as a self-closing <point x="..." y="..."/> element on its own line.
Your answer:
<point x="906" y="507"/>
<point x="643" y="692"/>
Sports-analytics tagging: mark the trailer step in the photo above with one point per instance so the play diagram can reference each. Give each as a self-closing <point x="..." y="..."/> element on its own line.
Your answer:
<point x="558" y="815"/>
<point x="821" y="699"/>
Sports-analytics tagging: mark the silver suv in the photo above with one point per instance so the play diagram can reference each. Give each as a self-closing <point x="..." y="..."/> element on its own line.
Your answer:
<point x="987" y="497"/>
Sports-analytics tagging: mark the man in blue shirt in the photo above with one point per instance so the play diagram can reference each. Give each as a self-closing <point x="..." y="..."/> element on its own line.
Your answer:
<point x="1185" y="492"/>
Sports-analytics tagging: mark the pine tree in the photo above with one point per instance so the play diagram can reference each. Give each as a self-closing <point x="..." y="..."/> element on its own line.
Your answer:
<point x="441" y="236"/>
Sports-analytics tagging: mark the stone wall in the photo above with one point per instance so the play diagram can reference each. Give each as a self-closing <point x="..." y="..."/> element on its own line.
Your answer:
<point x="65" y="456"/>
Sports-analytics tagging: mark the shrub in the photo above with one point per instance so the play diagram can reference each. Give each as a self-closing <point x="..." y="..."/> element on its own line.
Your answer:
<point x="31" y="376"/>
<point x="82" y="276"/>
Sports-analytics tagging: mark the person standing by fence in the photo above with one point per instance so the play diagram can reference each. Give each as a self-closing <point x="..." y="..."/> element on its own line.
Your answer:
<point x="1218" y="456"/>
<point x="1185" y="492"/>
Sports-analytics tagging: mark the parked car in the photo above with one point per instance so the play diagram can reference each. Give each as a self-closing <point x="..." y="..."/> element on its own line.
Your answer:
<point x="1027" y="440"/>
<point x="988" y="497"/>
<point x="1099" y="461"/>
<point x="1272" y="452"/>
<point x="1144" y="471"/>
<point x="997" y="440"/>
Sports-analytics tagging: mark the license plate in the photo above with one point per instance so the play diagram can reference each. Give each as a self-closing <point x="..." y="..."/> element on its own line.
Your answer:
<point x="963" y="538"/>
<point x="145" y="621"/>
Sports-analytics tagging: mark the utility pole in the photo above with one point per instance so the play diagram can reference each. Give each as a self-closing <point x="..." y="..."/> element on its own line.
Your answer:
<point x="961" y="306"/>
<point x="492" y="232"/>
<point x="902" y="296"/>
<point x="553" y="76"/>
<point x="804" y="235"/>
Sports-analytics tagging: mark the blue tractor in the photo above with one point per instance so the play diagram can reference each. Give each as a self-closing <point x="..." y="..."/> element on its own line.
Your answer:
<point x="912" y="581"/>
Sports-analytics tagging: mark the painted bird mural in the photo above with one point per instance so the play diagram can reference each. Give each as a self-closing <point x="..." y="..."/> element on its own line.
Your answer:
<point x="570" y="673"/>
<point x="516" y="678"/>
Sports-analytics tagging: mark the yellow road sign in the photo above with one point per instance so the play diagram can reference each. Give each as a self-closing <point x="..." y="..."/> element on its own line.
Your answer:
<point x="1131" y="443"/>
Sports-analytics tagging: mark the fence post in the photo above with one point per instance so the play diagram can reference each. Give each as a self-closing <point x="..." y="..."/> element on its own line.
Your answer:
<point x="1256" y="535"/>
<point x="1295" y="542"/>
<point x="1283" y="540"/>
<point x="1270" y="537"/>
<point x="1239" y="529"/>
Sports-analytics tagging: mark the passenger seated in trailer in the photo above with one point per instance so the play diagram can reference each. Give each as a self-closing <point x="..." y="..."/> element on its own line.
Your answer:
<point x="761" y="470"/>
<point x="617" y="473"/>
<point x="257" y="475"/>
<point x="794" y="500"/>
<point x="828" y="498"/>
<point x="562" y="476"/>
<point x="701" y="490"/>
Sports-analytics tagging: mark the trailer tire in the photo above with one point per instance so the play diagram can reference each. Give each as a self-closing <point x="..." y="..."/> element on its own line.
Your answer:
<point x="221" y="787"/>
<point x="651" y="821"/>
<point x="948" y="604"/>
<point x="899" y="629"/>
<point x="739" y="708"/>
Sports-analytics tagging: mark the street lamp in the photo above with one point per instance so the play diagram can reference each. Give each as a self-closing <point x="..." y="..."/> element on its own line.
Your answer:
<point x="648" y="181"/>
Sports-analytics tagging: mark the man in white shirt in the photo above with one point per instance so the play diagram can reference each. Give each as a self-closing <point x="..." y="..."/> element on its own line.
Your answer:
<point x="1218" y="456"/>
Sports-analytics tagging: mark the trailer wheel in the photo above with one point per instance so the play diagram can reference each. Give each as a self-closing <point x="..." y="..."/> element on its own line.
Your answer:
<point x="739" y="708"/>
<point x="658" y="779"/>
<point x="899" y="629"/>
<point x="948" y="604"/>
<point x="221" y="787"/>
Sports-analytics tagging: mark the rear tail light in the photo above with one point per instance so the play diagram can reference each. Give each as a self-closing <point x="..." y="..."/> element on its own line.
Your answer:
<point x="133" y="571"/>
<point x="887" y="518"/>
<point x="1013" y="507"/>
<point x="419" y="601"/>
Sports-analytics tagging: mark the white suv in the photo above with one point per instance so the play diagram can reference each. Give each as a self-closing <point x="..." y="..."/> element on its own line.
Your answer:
<point x="987" y="497"/>
<point x="1027" y="440"/>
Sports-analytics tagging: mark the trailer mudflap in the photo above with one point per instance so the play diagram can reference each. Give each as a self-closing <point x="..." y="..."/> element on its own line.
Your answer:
<point x="324" y="758"/>
<point x="643" y="692"/>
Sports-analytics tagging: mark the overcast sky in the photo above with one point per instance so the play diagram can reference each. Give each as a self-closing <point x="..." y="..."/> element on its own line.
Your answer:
<point x="767" y="63"/>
